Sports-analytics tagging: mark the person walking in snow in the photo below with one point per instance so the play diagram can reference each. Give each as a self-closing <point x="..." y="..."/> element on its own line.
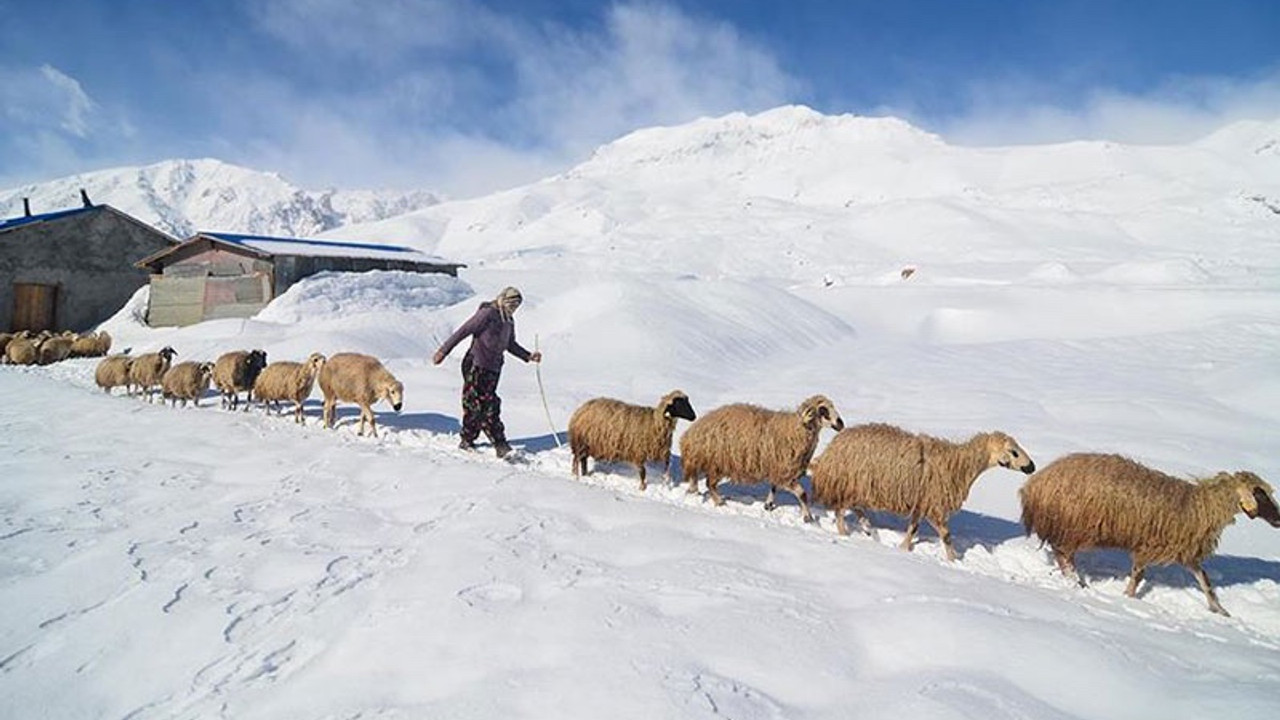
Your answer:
<point x="492" y="330"/>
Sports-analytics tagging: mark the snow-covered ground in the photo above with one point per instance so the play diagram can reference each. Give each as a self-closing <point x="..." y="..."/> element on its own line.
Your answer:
<point x="160" y="562"/>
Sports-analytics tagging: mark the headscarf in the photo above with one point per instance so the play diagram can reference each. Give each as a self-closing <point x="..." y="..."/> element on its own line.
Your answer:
<point x="507" y="301"/>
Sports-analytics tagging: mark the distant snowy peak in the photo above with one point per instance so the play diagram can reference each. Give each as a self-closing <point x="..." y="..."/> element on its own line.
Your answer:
<point x="183" y="196"/>
<point x="1253" y="137"/>
<point x="787" y="129"/>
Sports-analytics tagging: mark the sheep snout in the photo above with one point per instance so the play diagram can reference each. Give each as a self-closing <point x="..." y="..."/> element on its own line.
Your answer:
<point x="1266" y="508"/>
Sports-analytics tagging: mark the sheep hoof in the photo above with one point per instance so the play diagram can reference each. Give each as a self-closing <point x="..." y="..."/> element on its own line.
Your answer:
<point x="811" y="519"/>
<point x="770" y="505"/>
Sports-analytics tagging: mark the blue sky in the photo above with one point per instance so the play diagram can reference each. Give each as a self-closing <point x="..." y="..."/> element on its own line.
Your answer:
<point x="469" y="96"/>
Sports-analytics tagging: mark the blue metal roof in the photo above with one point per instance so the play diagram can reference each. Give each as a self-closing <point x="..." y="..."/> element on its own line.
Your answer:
<point x="10" y="223"/>
<point x="240" y="239"/>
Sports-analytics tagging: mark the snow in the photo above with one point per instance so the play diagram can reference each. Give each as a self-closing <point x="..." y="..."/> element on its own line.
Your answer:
<point x="162" y="562"/>
<point x="181" y="196"/>
<point x="325" y="248"/>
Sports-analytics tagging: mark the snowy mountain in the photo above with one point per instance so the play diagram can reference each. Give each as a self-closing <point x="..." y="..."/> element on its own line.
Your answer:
<point x="183" y="196"/>
<point x="160" y="562"/>
<point x="814" y="198"/>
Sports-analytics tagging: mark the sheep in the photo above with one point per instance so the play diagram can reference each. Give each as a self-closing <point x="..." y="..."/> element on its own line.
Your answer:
<point x="235" y="372"/>
<point x="96" y="344"/>
<point x="360" y="379"/>
<point x="749" y="444"/>
<point x="186" y="381"/>
<point x="24" y="350"/>
<point x="4" y="346"/>
<point x="147" y="371"/>
<point x="56" y="349"/>
<point x="113" y="372"/>
<point x="883" y="467"/>
<point x="613" y="430"/>
<point x="1088" y="500"/>
<point x="284" y="380"/>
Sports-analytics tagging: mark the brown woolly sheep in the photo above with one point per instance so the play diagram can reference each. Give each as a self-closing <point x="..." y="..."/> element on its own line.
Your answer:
<point x="749" y="444"/>
<point x="291" y="381"/>
<point x="186" y="381"/>
<point x="147" y="371"/>
<point x="882" y="467"/>
<point x="361" y="379"/>
<point x="1090" y="500"/>
<point x="234" y="373"/>
<point x="612" y="430"/>
<point x="4" y="346"/>
<point x="24" y="350"/>
<point x="56" y="349"/>
<point x="95" y="344"/>
<point x="112" y="372"/>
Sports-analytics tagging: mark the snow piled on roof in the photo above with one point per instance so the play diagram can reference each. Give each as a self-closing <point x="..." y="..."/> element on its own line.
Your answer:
<point x="375" y="291"/>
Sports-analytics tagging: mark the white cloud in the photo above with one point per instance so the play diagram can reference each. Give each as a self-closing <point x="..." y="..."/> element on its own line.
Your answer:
<point x="1180" y="110"/>
<point x="464" y="102"/>
<point x="654" y="65"/>
<point x="75" y="103"/>
<point x="44" y="98"/>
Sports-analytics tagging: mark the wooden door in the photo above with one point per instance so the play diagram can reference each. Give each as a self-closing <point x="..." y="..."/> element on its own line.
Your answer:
<point x="35" y="307"/>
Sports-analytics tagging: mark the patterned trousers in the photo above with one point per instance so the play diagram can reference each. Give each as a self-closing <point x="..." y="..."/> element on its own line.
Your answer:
<point x="481" y="406"/>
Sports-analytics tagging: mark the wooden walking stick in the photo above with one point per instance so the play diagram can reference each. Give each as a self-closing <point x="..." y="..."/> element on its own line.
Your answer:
<point x="537" y="371"/>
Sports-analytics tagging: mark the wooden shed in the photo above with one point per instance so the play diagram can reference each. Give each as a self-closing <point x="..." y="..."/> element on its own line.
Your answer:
<point x="225" y="275"/>
<point x="71" y="269"/>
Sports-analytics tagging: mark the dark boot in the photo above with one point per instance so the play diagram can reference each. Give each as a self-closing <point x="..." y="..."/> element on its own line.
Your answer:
<point x="502" y="448"/>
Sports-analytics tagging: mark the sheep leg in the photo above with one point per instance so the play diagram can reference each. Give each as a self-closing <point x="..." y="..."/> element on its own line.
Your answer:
<point x="770" y="502"/>
<point x="643" y="484"/>
<point x="365" y="410"/>
<point x="1068" y="566"/>
<point x="666" y="469"/>
<point x="911" y="533"/>
<point x="713" y="492"/>
<point x="691" y="475"/>
<point x="841" y="527"/>
<point x="326" y="413"/>
<point x="798" y="490"/>
<point x="1209" y="594"/>
<point x="298" y="409"/>
<point x="863" y="522"/>
<point x="944" y="534"/>
<point x="1139" y="569"/>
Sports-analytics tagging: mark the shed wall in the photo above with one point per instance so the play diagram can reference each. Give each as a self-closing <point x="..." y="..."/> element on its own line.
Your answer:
<point x="88" y="256"/>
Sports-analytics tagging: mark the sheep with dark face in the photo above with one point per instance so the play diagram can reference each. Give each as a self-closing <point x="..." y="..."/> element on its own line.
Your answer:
<point x="749" y="444"/>
<point x="882" y="467"/>
<point x="234" y="373"/>
<point x="616" y="431"/>
<point x="146" y="372"/>
<point x="1089" y="500"/>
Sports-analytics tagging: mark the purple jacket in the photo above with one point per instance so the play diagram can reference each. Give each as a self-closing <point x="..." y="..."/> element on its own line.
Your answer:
<point x="490" y="337"/>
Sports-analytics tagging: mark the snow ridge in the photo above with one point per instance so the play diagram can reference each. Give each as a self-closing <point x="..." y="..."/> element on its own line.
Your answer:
<point x="184" y="196"/>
